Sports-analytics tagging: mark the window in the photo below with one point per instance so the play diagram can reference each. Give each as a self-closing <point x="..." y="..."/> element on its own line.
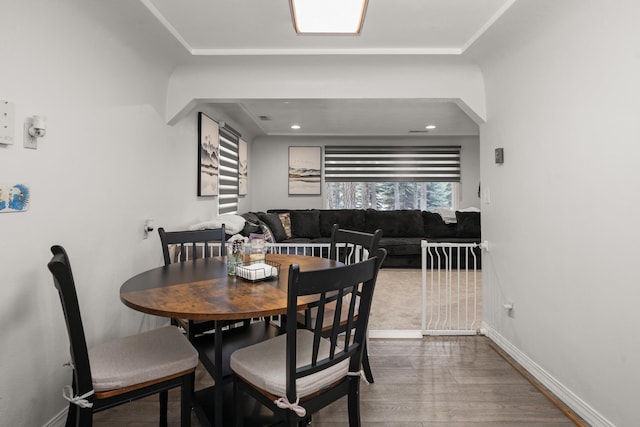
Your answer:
<point x="426" y="196"/>
<point x="386" y="178"/>
<point x="228" y="198"/>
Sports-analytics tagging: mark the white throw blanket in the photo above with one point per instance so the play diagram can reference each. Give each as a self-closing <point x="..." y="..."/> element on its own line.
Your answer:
<point x="233" y="224"/>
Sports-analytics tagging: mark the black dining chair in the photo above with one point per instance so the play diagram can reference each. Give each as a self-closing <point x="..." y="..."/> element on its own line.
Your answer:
<point x="303" y="371"/>
<point x="186" y="245"/>
<point x="124" y="369"/>
<point x="347" y="246"/>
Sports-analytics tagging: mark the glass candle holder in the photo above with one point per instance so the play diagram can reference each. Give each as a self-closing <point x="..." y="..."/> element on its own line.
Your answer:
<point x="257" y="250"/>
<point x="234" y="257"/>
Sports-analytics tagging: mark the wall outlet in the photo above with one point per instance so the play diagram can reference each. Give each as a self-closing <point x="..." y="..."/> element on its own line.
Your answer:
<point x="148" y="227"/>
<point x="29" y="141"/>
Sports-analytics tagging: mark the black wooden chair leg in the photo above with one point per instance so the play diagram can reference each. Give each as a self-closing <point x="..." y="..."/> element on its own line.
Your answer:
<point x="164" y="400"/>
<point x="85" y="417"/>
<point x="354" y="402"/>
<point x="292" y="420"/>
<point x="237" y="398"/>
<point x="366" y="367"/>
<point x="71" y="416"/>
<point x="186" y="396"/>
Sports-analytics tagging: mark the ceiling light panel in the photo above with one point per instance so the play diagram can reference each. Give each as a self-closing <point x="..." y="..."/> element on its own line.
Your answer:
<point x="328" y="16"/>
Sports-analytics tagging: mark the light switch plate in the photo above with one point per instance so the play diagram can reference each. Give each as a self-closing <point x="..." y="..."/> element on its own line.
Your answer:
<point x="7" y="122"/>
<point x="499" y="155"/>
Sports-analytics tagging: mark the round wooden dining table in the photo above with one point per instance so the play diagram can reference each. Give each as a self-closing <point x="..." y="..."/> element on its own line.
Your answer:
<point x="202" y="290"/>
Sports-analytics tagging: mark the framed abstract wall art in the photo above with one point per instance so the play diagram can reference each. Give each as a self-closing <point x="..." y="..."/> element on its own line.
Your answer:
<point x="208" y="155"/>
<point x="243" y="169"/>
<point x="14" y="197"/>
<point x="305" y="170"/>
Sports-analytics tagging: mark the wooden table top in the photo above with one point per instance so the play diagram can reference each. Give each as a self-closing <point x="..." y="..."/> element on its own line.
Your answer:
<point x="202" y="290"/>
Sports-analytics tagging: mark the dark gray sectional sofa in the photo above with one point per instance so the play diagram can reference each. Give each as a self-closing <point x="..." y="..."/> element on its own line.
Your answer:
<point x="403" y="230"/>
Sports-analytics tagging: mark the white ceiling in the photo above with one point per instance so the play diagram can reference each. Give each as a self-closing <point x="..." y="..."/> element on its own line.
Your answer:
<point x="404" y="27"/>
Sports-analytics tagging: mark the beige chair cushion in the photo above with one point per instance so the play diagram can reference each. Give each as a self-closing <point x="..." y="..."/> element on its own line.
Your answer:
<point x="263" y="365"/>
<point x="136" y="359"/>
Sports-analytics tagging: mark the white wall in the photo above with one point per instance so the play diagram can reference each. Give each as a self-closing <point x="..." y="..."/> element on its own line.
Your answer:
<point x="269" y="175"/>
<point x="326" y="77"/>
<point x="108" y="161"/>
<point x="563" y="97"/>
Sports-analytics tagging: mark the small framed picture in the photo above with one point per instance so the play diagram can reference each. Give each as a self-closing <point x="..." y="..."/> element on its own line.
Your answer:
<point x="208" y="155"/>
<point x="305" y="170"/>
<point x="243" y="169"/>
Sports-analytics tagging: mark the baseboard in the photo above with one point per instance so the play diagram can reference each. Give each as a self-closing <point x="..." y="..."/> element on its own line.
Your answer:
<point x="579" y="406"/>
<point x="59" y="420"/>
<point x="395" y="334"/>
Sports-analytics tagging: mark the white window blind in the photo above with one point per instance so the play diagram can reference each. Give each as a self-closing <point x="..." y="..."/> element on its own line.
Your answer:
<point x="228" y="174"/>
<point x="392" y="163"/>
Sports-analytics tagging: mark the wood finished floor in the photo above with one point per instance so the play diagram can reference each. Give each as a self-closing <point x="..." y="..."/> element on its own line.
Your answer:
<point x="436" y="381"/>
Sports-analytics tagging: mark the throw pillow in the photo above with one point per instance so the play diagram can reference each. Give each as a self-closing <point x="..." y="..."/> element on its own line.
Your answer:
<point x="468" y="224"/>
<point x="256" y="236"/>
<point x="251" y="225"/>
<point x="268" y="235"/>
<point x="275" y="225"/>
<point x="435" y="227"/>
<point x="305" y="224"/>
<point x="285" y="219"/>
<point x="448" y="215"/>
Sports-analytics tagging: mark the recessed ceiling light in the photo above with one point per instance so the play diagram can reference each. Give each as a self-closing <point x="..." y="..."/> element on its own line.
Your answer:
<point x="328" y="16"/>
<point x="430" y="127"/>
<point x="295" y="126"/>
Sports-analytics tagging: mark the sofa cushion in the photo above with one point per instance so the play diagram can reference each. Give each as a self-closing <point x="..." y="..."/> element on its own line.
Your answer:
<point x="251" y="225"/>
<point x="297" y="240"/>
<point x="468" y="224"/>
<point x="397" y="246"/>
<point x="348" y="219"/>
<point x="397" y="223"/>
<point x="320" y="240"/>
<point x="305" y="223"/>
<point x="435" y="227"/>
<point x="275" y="225"/>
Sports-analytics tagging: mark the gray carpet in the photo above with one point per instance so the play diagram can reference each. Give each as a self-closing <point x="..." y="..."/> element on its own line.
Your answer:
<point x="397" y="302"/>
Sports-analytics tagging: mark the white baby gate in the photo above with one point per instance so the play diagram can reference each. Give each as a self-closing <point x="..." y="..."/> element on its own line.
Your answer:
<point x="318" y="249"/>
<point x="451" y="288"/>
<point x="310" y="249"/>
<point x="451" y="284"/>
